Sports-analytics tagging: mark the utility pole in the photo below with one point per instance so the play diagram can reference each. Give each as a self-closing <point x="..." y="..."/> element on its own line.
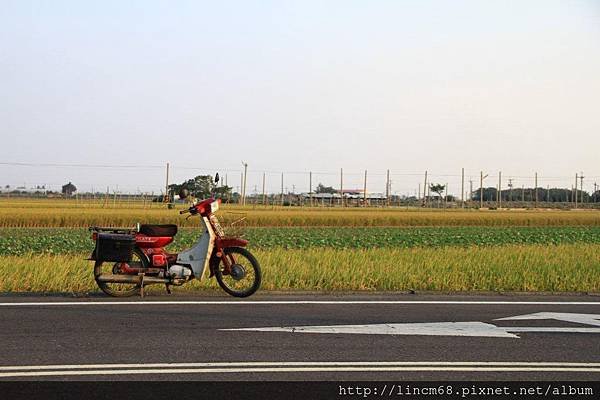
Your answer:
<point x="570" y="196"/>
<point x="244" y="183"/>
<point x="310" y="188"/>
<point x="241" y="188"/>
<point x="264" y="197"/>
<point x="425" y="190"/>
<point x="471" y="190"/>
<point x="166" y="199"/>
<point x="387" y="188"/>
<point x="595" y="190"/>
<point x="575" y="193"/>
<point x="342" y="187"/>
<point x="446" y="196"/>
<point x="365" y="190"/>
<point x="481" y="189"/>
<point x="462" y="189"/>
<point x="499" y="189"/>
<point x="523" y="193"/>
<point x="282" y="188"/>
<point x="510" y="186"/>
<point x="581" y="179"/>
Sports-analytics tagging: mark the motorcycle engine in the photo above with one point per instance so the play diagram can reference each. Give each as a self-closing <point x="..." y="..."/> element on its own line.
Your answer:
<point x="180" y="272"/>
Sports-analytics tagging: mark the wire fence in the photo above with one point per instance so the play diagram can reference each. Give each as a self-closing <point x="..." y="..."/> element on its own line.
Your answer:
<point x="145" y="186"/>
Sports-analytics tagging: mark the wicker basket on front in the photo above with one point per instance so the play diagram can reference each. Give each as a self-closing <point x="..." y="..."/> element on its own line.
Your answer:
<point x="231" y="225"/>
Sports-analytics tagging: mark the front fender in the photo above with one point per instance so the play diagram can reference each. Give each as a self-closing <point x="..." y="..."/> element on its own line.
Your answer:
<point x="220" y="243"/>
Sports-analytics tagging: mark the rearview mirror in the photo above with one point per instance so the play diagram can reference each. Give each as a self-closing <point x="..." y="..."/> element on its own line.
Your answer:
<point x="183" y="193"/>
<point x="217" y="177"/>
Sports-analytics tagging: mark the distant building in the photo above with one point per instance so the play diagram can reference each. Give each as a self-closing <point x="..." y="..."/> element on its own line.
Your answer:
<point x="69" y="189"/>
<point x="350" y="194"/>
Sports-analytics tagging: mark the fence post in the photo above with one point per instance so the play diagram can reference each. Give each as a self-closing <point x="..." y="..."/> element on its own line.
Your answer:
<point x="166" y="200"/>
<point x="342" y="187"/>
<point x="282" y="189"/>
<point x="365" y="191"/>
<point x="425" y="190"/>
<point x="310" y="188"/>
<point x="462" y="189"/>
<point x="536" y="190"/>
<point x="263" y="189"/>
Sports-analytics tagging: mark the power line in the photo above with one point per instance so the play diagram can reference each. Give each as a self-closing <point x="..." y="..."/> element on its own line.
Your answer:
<point x="20" y="164"/>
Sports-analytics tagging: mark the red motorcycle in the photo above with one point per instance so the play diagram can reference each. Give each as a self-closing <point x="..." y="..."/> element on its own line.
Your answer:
<point x="127" y="260"/>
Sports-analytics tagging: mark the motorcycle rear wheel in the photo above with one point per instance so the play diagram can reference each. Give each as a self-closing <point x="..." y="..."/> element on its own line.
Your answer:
<point x="120" y="289"/>
<point x="244" y="277"/>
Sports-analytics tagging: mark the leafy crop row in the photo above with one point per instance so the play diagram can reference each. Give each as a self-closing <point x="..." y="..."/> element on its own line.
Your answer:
<point x="19" y="241"/>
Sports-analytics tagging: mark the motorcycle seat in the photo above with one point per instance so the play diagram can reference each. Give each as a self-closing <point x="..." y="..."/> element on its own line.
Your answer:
<point x="158" y="230"/>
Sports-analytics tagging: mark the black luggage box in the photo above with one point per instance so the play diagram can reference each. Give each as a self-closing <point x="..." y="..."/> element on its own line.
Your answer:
<point x="114" y="247"/>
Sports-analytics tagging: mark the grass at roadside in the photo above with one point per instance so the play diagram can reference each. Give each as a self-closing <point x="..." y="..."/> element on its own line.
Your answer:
<point x="570" y="268"/>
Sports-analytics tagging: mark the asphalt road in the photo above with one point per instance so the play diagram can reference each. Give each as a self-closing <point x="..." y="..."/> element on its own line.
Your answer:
<point x="407" y="337"/>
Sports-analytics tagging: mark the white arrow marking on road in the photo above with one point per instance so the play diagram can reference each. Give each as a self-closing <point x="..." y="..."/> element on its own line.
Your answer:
<point x="428" y="329"/>
<point x="479" y="329"/>
<point x="586" y="319"/>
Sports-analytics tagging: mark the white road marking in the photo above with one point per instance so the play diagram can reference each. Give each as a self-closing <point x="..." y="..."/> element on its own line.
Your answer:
<point x="289" y="302"/>
<point x="479" y="329"/>
<point x="258" y="367"/>
<point x="553" y="329"/>
<point x="586" y="319"/>
<point x="301" y="363"/>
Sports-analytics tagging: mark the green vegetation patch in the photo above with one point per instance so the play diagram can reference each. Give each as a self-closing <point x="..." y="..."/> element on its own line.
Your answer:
<point x="19" y="241"/>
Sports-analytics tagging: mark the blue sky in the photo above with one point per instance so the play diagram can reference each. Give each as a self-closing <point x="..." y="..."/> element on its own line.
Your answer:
<point x="299" y="86"/>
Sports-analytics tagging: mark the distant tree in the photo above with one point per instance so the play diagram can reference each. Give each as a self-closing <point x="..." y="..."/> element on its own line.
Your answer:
<point x="325" y="189"/>
<point x="68" y="189"/>
<point x="489" y="194"/>
<point x="437" y="188"/>
<point x="201" y="187"/>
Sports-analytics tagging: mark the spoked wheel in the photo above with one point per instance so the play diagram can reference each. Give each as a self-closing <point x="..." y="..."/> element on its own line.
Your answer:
<point x="240" y="276"/>
<point x="138" y="260"/>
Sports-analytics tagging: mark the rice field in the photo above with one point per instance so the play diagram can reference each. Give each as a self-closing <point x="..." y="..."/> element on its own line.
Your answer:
<point x="14" y="214"/>
<point x="531" y="268"/>
<point x="43" y="245"/>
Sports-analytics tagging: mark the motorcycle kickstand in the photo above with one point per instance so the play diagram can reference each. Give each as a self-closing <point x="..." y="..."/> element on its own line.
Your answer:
<point x="142" y="284"/>
<point x="167" y="286"/>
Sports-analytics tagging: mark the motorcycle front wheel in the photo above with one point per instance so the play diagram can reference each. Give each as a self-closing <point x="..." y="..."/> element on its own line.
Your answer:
<point x="243" y="276"/>
<point x="119" y="289"/>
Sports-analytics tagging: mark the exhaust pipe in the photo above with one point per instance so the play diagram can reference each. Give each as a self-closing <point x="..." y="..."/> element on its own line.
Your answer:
<point x="112" y="278"/>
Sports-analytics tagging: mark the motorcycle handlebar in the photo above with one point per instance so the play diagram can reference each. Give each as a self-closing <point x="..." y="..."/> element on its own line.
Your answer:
<point x="184" y="211"/>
